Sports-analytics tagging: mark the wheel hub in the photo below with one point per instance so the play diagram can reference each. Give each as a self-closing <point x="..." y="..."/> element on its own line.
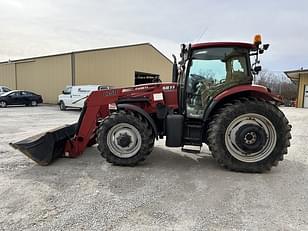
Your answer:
<point x="124" y="140"/>
<point x="250" y="138"/>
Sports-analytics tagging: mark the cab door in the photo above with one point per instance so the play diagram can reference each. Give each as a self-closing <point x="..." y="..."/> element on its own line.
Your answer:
<point x="212" y="71"/>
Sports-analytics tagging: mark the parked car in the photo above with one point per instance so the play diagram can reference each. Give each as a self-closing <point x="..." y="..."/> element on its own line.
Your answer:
<point x="75" y="96"/>
<point x="18" y="97"/>
<point x="4" y="89"/>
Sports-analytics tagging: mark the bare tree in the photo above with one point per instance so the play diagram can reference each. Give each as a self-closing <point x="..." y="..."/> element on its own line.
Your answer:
<point x="279" y="84"/>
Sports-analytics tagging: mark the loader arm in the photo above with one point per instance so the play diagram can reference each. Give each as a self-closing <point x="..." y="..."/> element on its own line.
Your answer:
<point x="72" y="140"/>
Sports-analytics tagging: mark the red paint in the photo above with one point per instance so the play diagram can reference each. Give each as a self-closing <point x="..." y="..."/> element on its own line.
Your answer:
<point x="254" y="90"/>
<point x="222" y="44"/>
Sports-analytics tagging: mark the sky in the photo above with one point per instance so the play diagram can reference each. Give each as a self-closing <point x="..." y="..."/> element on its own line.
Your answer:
<point x="43" y="27"/>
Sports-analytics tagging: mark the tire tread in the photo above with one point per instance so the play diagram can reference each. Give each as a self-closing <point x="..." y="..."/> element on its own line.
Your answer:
<point x="231" y="108"/>
<point x="140" y="123"/>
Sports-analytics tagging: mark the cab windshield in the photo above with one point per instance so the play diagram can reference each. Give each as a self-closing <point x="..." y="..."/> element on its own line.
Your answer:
<point x="210" y="70"/>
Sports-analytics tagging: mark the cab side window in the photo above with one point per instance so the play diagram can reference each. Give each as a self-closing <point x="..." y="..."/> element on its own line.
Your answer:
<point x="237" y="70"/>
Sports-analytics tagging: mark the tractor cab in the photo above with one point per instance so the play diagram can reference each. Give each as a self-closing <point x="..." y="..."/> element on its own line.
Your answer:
<point x="208" y="69"/>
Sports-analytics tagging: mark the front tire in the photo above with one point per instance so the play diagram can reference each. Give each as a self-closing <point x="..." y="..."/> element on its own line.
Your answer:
<point x="62" y="106"/>
<point x="125" y="139"/>
<point x="3" y="104"/>
<point x="249" y="135"/>
<point x="34" y="103"/>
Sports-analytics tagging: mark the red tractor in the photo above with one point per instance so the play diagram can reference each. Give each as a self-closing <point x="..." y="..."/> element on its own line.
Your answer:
<point x="211" y="100"/>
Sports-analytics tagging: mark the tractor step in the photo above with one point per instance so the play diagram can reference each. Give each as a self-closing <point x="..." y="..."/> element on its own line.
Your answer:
<point x="191" y="149"/>
<point x="193" y="134"/>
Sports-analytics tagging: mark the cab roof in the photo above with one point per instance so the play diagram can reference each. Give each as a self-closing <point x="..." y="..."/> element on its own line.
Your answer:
<point x="222" y="44"/>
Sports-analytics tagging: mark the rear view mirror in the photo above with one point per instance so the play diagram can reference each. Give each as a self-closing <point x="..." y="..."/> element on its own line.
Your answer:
<point x="265" y="46"/>
<point x="257" y="69"/>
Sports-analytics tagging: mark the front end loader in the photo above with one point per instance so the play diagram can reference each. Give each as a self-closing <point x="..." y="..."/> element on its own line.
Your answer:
<point x="211" y="101"/>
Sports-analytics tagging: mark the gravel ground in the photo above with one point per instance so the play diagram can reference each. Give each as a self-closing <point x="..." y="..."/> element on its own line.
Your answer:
<point x="169" y="191"/>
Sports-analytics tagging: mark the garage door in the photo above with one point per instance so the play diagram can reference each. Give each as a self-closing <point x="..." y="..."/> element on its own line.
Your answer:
<point x="306" y="97"/>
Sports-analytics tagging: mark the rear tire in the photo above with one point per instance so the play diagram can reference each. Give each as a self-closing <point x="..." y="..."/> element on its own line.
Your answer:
<point x="249" y="135"/>
<point x="3" y="104"/>
<point x="125" y="138"/>
<point x="34" y="103"/>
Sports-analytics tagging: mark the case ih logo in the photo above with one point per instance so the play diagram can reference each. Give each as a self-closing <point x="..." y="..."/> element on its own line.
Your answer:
<point x="169" y="87"/>
<point x="110" y="92"/>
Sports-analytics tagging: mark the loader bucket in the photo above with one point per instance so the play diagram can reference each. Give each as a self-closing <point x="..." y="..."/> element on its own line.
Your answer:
<point x="46" y="147"/>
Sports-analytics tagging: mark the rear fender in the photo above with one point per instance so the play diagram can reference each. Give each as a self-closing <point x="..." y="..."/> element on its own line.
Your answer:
<point x="142" y="113"/>
<point x="256" y="91"/>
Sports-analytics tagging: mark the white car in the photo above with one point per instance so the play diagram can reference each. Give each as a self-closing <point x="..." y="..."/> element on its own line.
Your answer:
<point x="75" y="96"/>
<point x="4" y="89"/>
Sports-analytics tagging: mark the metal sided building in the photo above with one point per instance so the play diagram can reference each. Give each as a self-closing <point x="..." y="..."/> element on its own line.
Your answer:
<point x="300" y="77"/>
<point x="115" y="66"/>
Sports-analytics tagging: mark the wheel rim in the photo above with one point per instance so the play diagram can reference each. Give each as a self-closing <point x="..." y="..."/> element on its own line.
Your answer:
<point x="33" y="103"/>
<point x="2" y="104"/>
<point x="124" y="140"/>
<point x="250" y="138"/>
<point x="62" y="107"/>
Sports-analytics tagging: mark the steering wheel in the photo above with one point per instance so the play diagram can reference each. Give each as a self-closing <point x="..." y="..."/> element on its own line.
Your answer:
<point x="222" y="81"/>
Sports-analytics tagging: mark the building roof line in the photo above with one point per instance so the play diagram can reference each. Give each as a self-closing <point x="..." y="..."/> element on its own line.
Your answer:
<point x="295" y="71"/>
<point x="83" y="51"/>
<point x="294" y="75"/>
<point x="160" y="53"/>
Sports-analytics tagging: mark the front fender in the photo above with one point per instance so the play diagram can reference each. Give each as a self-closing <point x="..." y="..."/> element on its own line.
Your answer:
<point x="142" y="113"/>
<point x="252" y="90"/>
